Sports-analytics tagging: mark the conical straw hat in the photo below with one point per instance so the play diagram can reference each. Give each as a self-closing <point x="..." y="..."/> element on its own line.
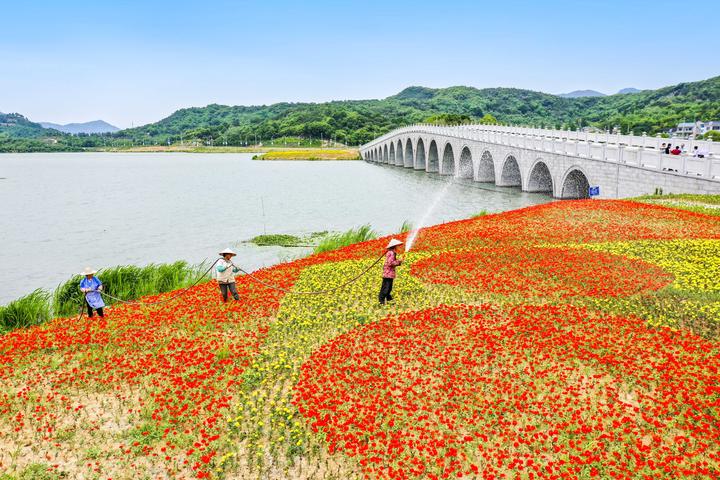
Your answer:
<point x="394" y="243"/>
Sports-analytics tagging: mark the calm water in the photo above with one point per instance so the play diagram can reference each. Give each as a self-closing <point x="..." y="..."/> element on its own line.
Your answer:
<point x="62" y="212"/>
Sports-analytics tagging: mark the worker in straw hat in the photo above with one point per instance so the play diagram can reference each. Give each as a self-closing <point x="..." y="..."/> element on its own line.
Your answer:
<point x="226" y="271"/>
<point x="91" y="286"/>
<point x="391" y="261"/>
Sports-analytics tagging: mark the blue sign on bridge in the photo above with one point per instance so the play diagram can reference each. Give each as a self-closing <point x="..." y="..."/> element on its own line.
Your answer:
<point x="594" y="191"/>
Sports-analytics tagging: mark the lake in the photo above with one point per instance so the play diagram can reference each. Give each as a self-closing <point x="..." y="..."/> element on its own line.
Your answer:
<point x="61" y="212"/>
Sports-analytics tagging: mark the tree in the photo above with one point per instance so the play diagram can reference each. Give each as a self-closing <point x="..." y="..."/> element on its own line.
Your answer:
<point x="488" y="119"/>
<point x="713" y="135"/>
<point x="448" y="119"/>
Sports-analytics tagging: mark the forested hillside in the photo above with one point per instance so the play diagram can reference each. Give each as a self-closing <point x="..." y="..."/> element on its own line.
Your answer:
<point x="354" y="122"/>
<point x="358" y="121"/>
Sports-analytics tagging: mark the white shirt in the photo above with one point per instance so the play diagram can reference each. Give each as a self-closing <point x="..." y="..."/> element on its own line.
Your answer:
<point x="227" y="275"/>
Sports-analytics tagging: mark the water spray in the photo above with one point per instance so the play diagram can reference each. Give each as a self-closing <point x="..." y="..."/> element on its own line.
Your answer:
<point x="426" y="216"/>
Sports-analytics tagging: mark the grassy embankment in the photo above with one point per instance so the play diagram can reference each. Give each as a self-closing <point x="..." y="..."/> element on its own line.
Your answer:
<point x="707" y="204"/>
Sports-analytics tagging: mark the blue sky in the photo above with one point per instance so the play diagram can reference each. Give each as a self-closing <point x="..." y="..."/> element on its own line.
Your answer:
<point x="135" y="62"/>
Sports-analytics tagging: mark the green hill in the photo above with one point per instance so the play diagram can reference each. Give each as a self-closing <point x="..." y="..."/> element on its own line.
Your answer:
<point x="358" y="121"/>
<point x="15" y="125"/>
<point x="18" y="134"/>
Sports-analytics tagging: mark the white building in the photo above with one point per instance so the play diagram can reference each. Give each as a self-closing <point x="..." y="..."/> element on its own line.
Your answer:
<point x="693" y="129"/>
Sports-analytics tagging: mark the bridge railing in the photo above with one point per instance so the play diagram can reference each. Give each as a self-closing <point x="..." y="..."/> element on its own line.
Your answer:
<point x="626" y="149"/>
<point x="643" y="141"/>
<point x="639" y="141"/>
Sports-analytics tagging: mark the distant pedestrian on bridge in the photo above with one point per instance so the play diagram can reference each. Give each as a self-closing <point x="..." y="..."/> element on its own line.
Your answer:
<point x="391" y="261"/>
<point x="226" y="271"/>
<point x="91" y="286"/>
<point x="699" y="152"/>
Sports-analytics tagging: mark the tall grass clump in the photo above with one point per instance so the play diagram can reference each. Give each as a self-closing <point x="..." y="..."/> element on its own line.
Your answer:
<point x="128" y="282"/>
<point x="339" y="240"/>
<point x="32" y="309"/>
<point x="406" y="226"/>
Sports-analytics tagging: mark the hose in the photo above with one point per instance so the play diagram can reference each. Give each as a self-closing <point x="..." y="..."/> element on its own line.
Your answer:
<point x="252" y="277"/>
<point x="317" y="292"/>
<point x="164" y="300"/>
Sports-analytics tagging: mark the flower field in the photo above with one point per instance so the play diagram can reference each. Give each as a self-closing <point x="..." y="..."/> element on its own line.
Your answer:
<point x="576" y="339"/>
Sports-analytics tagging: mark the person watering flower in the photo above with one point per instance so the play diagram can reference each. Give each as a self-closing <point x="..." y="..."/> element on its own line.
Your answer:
<point x="391" y="261"/>
<point x="91" y="286"/>
<point x="226" y="271"/>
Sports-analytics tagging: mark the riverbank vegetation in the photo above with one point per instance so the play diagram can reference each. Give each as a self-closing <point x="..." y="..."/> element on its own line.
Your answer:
<point x="349" y="237"/>
<point x="351" y="123"/>
<point x="126" y="282"/>
<point x="285" y="240"/>
<point x="310" y="154"/>
<point x="574" y="339"/>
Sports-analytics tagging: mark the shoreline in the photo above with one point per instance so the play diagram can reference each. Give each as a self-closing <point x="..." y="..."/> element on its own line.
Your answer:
<point x="262" y="153"/>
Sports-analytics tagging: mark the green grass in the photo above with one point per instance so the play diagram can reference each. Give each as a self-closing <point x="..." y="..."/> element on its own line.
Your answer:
<point x="481" y="213"/>
<point x="32" y="309"/>
<point x="706" y="204"/>
<point x="690" y="197"/>
<point x="406" y="226"/>
<point x="35" y="471"/>
<point x="126" y="282"/>
<point x="338" y="240"/>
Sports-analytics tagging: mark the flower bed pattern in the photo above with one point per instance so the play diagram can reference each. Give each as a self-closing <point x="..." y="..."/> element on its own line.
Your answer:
<point x="542" y="272"/>
<point x="193" y="388"/>
<point x="554" y="391"/>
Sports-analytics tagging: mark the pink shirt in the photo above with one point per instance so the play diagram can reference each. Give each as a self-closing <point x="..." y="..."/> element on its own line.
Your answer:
<point x="391" y="262"/>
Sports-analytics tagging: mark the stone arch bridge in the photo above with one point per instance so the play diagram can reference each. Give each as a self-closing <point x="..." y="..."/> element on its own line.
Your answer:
<point x="562" y="163"/>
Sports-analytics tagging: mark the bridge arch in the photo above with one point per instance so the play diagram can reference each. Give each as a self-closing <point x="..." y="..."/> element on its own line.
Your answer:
<point x="486" y="168"/>
<point x="510" y="173"/>
<point x="465" y="169"/>
<point x="409" y="160"/>
<point x="433" y="159"/>
<point x="375" y="154"/>
<point x="447" y="166"/>
<point x="385" y="154"/>
<point x="420" y="155"/>
<point x="399" y="154"/>
<point x="539" y="178"/>
<point x="392" y="153"/>
<point x="575" y="184"/>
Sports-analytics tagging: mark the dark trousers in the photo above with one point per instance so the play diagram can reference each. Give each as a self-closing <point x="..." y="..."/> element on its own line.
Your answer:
<point x="232" y="288"/>
<point x="90" y="310"/>
<point x="386" y="290"/>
